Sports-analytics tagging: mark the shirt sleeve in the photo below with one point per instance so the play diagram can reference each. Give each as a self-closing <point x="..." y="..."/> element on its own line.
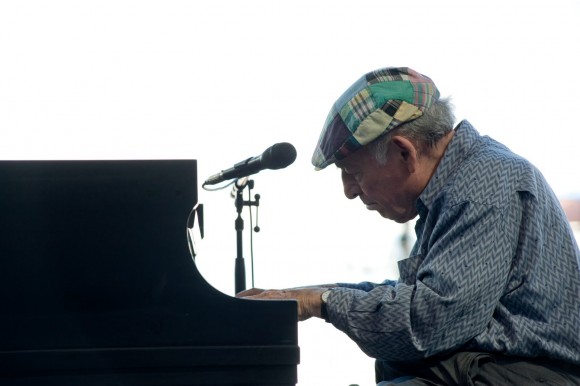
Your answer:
<point x="366" y="286"/>
<point x="463" y="262"/>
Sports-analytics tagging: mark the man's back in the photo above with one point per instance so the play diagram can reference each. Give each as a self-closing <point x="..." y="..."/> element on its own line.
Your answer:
<point x="493" y="212"/>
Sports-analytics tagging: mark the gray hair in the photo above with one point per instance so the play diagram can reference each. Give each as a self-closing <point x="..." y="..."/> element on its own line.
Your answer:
<point x="436" y="122"/>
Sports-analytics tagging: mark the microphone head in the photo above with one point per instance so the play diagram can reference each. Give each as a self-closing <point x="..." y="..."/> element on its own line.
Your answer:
<point x="278" y="156"/>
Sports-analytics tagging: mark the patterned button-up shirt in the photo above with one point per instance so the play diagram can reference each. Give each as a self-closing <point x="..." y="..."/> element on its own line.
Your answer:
<point x="495" y="267"/>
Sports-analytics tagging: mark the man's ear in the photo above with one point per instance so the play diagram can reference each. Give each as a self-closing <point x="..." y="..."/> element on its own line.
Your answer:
<point x="406" y="152"/>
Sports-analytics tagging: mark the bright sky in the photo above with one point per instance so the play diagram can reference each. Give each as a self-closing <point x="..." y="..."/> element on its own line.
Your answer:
<point x="220" y="81"/>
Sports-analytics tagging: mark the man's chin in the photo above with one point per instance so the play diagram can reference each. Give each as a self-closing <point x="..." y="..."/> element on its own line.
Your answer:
<point x="398" y="218"/>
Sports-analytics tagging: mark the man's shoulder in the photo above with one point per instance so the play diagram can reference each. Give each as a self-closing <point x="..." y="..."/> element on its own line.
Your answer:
<point x="491" y="172"/>
<point x="479" y="169"/>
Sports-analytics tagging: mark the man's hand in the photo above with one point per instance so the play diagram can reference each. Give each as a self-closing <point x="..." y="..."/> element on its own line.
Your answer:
<point x="308" y="298"/>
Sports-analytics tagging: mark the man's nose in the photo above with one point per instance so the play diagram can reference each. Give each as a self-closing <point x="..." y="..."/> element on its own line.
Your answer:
<point x="350" y="186"/>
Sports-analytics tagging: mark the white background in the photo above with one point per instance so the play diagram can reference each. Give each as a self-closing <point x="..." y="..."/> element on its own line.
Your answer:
<point x="220" y="81"/>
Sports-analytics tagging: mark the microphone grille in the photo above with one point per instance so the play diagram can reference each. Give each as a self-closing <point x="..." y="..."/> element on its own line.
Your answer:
<point x="279" y="156"/>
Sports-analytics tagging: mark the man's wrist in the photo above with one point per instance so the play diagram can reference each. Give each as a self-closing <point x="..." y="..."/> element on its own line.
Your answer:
<point x="323" y="304"/>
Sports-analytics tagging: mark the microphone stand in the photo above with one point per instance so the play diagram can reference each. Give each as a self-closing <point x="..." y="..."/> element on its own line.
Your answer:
<point x="240" y="267"/>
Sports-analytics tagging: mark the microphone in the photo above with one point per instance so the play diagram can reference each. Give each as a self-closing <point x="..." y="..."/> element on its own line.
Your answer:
<point x="277" y="156"/>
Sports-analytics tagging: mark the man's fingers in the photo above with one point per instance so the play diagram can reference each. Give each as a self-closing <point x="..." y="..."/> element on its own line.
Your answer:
<point x="249" y="292"/>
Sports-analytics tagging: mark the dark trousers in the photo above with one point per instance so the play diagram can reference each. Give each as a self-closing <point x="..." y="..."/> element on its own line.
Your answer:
<point x="478" y="369"/>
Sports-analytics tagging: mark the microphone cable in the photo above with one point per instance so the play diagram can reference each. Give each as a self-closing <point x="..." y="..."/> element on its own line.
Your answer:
<point x="252" y="230"/>
<point x="221" y="187"/>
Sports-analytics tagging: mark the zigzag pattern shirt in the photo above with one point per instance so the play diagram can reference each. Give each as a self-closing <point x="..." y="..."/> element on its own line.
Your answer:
<point x="495" y="267"/>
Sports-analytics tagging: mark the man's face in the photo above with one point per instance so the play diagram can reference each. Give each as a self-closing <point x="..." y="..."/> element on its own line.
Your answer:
<point x="390" y="189"/>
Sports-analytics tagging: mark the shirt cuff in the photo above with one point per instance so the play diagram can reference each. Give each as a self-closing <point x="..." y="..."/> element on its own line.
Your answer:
<point x="338" y="306"/>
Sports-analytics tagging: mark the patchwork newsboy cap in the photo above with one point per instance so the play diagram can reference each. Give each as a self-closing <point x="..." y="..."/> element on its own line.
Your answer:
<point x="376" y="103"/>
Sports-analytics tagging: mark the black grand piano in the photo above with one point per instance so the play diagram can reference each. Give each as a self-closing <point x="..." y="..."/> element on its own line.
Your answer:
<point x="98" y="285"/>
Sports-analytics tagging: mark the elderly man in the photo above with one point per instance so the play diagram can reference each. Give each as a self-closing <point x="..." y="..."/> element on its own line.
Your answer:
<point x="490" y="294"/>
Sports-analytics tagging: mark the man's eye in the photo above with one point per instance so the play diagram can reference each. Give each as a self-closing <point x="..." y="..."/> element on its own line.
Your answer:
<point x="354" y="174"/>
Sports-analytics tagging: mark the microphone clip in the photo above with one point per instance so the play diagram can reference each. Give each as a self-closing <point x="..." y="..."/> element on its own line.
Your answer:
<point x="239" y="186"/>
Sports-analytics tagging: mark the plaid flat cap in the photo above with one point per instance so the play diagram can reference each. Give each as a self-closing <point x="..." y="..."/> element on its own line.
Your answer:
<point x="376" y="103"/>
